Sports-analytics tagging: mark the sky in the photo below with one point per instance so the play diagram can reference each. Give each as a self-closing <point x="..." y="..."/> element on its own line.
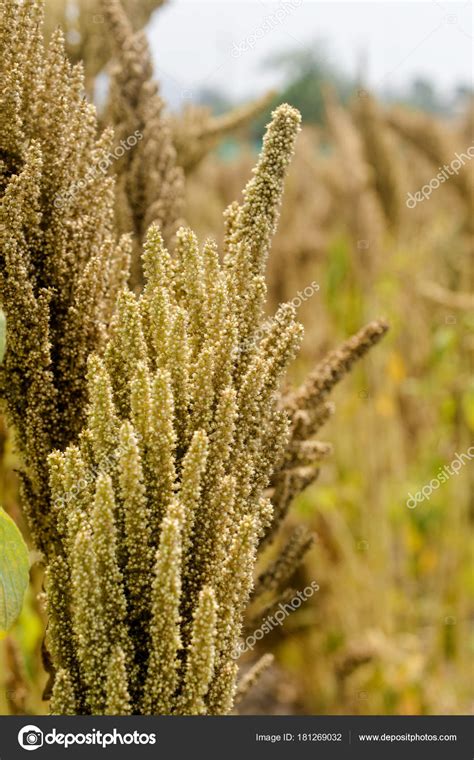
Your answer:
<point x="222" y="44"/>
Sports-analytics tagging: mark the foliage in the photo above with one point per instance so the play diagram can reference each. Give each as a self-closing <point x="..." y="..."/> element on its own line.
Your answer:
<point x="305" y="73"/>
<point x="14" y="565"/>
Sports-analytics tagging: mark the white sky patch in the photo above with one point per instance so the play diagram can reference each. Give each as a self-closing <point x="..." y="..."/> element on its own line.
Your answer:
<point x="192" y="42"/>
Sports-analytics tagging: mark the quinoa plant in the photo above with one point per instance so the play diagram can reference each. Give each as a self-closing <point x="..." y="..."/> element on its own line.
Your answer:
<point x="61" y="266"/>
<point x="154" y="567"/>
<point x="160" y="454"/>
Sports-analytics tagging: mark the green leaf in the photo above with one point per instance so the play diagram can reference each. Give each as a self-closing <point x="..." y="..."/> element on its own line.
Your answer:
<point x="14" y="567"/>
<point x="3" y="335"/>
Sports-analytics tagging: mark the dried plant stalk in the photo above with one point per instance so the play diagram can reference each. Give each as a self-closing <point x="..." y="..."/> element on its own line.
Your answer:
<point x="150" y="183"/>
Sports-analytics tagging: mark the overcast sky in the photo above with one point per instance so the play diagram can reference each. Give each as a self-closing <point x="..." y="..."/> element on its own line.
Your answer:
<point x="221" y="44"/>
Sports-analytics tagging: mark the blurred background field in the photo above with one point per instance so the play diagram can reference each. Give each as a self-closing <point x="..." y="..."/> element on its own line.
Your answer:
<point x="390" y="630"/>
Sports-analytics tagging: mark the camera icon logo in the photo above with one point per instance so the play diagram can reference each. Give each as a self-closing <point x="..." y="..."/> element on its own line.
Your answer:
<point x="30" y="737"/>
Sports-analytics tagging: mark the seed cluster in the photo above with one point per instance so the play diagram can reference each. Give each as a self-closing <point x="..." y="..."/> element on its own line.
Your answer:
<point x="60" y="265"/>
<point x="157" y="551"/>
